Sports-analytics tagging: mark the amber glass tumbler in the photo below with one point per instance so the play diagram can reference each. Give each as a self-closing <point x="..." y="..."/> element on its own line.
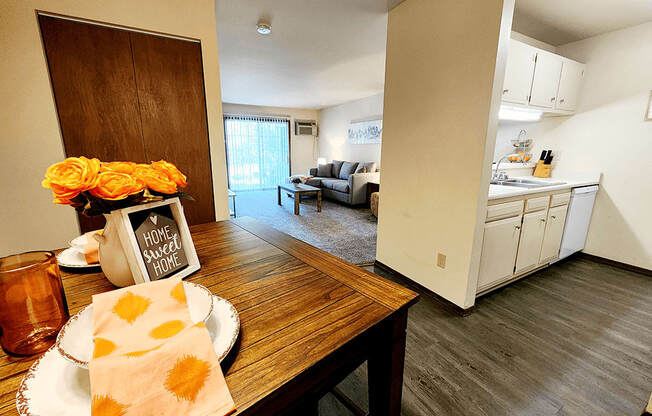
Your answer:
<point x="32" y="303"/>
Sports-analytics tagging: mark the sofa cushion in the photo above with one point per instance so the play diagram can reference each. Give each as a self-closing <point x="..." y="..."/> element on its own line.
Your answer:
<point x="339" y="185"/>
<point x="347" y="170"/>
<point x="367" y="167"/>
<point x="337" y="165"/>
<point x="325" y="171"/>
<point x="315" y="181"/>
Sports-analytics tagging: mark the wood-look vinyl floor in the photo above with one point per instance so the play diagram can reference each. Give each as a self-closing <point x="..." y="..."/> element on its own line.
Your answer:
<point x="572" y="339"/>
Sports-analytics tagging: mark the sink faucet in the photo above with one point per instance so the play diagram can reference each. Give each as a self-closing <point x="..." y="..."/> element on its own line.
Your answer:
<point x="502" y="176"/>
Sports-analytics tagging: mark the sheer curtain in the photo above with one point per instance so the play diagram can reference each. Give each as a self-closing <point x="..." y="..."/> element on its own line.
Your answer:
<point x="257" y="151"/>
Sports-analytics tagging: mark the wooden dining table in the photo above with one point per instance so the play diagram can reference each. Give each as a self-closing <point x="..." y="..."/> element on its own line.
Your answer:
<point x="308" y="319"/>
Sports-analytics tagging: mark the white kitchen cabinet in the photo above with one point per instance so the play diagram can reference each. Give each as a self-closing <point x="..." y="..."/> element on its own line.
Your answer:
<point x="545" y="82"/>
<point x="499" y="248"/>
<point x="529" y="247"/>
<point x="572" y="74"/>
<point x="518" y="73"/>
<point x="541" y="79"/>
<point x="554" y="232"/>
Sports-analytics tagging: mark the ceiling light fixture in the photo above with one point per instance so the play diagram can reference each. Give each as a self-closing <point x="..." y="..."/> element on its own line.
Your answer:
<point x="508" y="112"/>
<point x="263" y="27"/>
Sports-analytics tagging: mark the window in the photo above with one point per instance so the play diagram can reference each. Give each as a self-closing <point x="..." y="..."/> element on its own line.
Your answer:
<point x="257" y="152"/>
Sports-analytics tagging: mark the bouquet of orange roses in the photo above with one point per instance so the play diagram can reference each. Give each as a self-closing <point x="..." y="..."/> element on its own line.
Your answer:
<point x="93" y="187"/>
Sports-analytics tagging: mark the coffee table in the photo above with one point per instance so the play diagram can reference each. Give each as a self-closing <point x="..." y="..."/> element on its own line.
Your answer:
<point x="297" y="190"/>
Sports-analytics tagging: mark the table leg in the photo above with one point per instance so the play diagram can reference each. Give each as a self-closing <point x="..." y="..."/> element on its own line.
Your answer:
<point x="279" y="195"/>
<point x="297" y="201"/>
<point x="386" y="368"/>
<point x="319" y="201"/>
<point x="310" y="408"/>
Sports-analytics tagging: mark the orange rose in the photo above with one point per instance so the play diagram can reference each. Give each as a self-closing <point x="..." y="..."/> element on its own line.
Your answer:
<point x="68" y="178"/>
<point x="172" y="171"/>
<point x="116" y="185"/>
<point x="155" y="179"/>
<point x="122" y="167"/>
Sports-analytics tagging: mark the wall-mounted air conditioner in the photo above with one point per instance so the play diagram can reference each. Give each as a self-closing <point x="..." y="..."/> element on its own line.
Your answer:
<point x="305" y="128"/>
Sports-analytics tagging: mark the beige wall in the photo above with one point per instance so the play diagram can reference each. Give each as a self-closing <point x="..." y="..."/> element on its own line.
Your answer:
<point x="303" y="148"/>
<point x="441" y="105"/>
<point x="31" y="139"/>
<point x="607" y="134"/>
<point x="334" y="130"/>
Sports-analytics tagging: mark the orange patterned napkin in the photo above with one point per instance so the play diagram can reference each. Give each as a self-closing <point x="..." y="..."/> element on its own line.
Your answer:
<point x="91" y="247"/>
<point x="149" y="359"/>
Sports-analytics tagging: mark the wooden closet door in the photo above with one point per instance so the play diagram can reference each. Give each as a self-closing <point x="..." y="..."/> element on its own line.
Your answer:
<point x="91" y="69"/>
<point x="170" y="82"/>
<point x="124" y="95"/>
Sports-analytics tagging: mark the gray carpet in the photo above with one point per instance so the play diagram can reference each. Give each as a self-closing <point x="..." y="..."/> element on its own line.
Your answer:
<point x="348" y="233"/>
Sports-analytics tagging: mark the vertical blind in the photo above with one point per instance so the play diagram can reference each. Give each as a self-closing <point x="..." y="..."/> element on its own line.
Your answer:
<point x="257" y="151"/>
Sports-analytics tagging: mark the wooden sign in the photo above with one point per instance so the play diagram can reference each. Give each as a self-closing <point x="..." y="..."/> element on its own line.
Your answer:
<point x="156" y="240"/>
<point x="159" y="241"/>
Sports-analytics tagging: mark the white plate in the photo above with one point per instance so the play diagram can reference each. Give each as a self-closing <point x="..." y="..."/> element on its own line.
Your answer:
<point x="79" y="242"/>
<point x="54" y="386"/>
<point x="75" y="340"/>
<point x="73" y="257"/>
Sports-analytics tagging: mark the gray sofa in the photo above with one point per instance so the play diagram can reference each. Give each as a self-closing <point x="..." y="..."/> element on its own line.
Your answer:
<point x="344" y="181"/>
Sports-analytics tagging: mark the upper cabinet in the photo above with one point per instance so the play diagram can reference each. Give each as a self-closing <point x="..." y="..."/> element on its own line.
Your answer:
<point x="518" y="73"/>
<point x="541" y="79"/>
<point x="572" y="74"/>
<point x="546" y="80"/>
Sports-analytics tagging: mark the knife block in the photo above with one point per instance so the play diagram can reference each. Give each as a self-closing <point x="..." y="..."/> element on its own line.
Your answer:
<point x="541" y="170"/>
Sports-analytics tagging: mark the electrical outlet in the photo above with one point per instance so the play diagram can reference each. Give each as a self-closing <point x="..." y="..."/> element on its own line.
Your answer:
<point x="441" y="260"/>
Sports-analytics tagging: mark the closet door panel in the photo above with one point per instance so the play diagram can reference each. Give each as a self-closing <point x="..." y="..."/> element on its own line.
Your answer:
<point x="94" y="88"/>
<point x="170" y="82"/>
<point x="92" y="77"/>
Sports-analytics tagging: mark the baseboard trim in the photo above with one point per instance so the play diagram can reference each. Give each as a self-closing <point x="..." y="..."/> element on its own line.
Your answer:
<point x="511" y="280"/>
<point x="615" y="263"/>
<point x="443" y="301"/>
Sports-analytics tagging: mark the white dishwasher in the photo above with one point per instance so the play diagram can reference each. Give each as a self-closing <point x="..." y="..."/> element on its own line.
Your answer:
<point x="578" y="218"/>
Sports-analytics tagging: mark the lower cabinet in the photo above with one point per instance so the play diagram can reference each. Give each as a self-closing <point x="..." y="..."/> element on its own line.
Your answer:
<point x="554" y="232"/>
<point x="532" y="233"/>
<point x="514" y="246"/>
<point x="499" y="248"/>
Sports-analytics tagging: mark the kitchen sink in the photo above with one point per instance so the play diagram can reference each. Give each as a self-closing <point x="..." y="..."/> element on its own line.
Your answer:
<point x="525" y="183"/>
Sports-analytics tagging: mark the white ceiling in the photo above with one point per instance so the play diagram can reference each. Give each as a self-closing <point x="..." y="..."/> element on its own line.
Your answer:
<point x="320" y="52"/>
<point x="326" y="52"/>
<point x="561" y="21"/>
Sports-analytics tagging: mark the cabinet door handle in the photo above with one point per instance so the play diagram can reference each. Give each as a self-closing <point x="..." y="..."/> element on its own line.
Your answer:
<point x="552" y="99"/>
<point x="543" y="220"/>
<point x="506" y="91"/>
<point x="562" y="100"/>
<point x="518" y="227"/>
<point x="553" y="217"/>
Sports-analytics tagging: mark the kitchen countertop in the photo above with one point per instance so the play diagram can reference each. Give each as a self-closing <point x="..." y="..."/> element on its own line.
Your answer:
<point x="501" y="191"/>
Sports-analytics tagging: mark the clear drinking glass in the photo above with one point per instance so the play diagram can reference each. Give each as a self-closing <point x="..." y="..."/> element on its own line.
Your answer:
<point x="33" y="305"/>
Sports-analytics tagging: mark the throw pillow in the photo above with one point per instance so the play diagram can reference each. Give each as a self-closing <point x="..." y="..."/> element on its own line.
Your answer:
<point x="367" y="167"/>
<point x="325" y="171"/>
<point x="347" y="169"/>
<point x="337" y="166"/>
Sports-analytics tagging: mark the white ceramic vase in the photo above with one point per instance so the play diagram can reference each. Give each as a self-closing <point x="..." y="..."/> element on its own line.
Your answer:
<point x="112" y="256"/>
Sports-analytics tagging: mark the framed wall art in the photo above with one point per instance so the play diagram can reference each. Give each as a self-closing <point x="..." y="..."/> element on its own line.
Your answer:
<point x="366" y="131"/>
